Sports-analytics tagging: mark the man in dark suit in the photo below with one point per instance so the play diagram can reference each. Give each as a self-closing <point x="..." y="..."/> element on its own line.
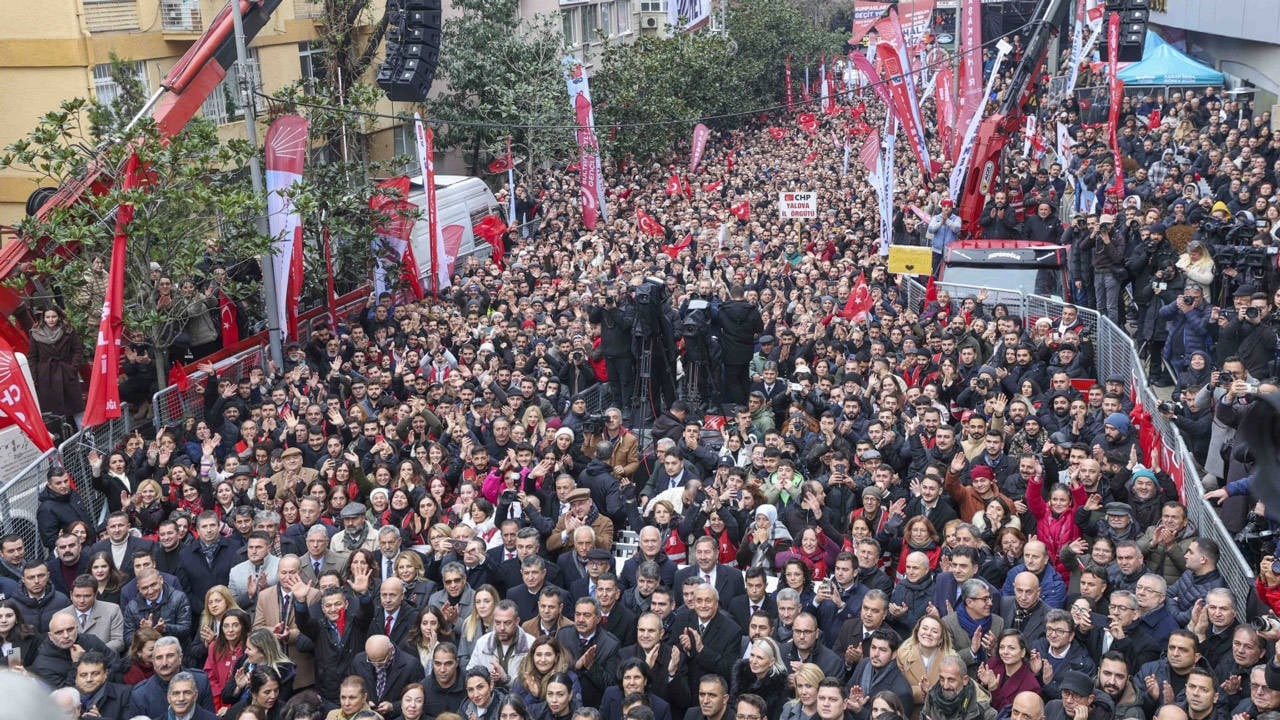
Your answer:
<point x="710" y="640"/>
<point x="756" y="598"/>
<point x="67" y="563"/>
<point x="727" y="580"/>
<point x="804" y="647"/>
<point x="143" y="560"/>
<point x="107" y="700"/>
<point x="594" y="647"/>
<point x="309" y="510"/>
<point x="508" y="531"/>
<point x="617" y="619"/>
<point x="386" y="671"/>
<point x="393" y="618"/>
<point x="207" y="561"/>
<point x="528" y="542"/>
<point x="533" y="575"/>
<point x="946" y="587"/>
<point x="335" y="629"/>
<point x="573" y="563"/>
<point x="1025" y="611"/>
<point x="168" y="548"/>
<point x="855" y="635"/>
<point x="183" y="696"/>
<point x="879" y="672"/>
<point x="598" y="561"/>
<point x="650" y="549"/>
<point x="123" y="545"/>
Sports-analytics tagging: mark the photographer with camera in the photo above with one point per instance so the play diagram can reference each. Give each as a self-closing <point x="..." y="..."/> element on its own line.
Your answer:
<point x="1080" y="259"/>
<point x="616" y="318"/>
<point x="1187" y="318"/>
<point x="1194" y="421"/>
<point x="1155" y="284"/>
<point x="1109" y="273"/>
<point x="1252" y="335"/>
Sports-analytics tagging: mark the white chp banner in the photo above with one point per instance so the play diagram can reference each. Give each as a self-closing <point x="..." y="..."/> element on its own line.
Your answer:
<point x="797" y="205"/>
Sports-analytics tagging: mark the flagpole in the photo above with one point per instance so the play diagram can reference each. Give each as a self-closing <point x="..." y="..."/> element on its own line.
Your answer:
<point x="511" y="186"/>
<point x="255" y="176"/>
<point x="331" y="297"/>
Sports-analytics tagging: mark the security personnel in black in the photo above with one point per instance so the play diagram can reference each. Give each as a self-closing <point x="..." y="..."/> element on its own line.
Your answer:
<point x="616" y="319"/>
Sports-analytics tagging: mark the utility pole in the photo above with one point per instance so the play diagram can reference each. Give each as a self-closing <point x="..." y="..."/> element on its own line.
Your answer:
<point x="245" y="84"/>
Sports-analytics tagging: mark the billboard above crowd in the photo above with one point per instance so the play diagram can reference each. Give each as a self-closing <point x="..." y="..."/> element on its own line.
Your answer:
<point x="688" y="14"/>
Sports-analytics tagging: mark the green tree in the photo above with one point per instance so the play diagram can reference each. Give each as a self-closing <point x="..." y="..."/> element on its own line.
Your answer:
<point x="194" y="216"/>
<point x="503" y="78"/>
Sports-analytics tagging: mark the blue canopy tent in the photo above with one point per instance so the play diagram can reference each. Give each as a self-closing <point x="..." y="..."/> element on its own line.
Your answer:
<point x="1163" y="66"/>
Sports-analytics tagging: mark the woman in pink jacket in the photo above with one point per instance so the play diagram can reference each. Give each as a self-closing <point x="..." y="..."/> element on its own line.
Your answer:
<point x="1055" y="520"/>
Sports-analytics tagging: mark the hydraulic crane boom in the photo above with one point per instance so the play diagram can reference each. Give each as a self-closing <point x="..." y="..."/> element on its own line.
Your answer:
<point x="180" y="96"/>
<point x="995" y="130"/>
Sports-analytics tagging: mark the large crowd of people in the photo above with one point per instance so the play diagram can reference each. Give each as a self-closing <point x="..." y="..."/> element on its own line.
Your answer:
<point x="933" y="512"/>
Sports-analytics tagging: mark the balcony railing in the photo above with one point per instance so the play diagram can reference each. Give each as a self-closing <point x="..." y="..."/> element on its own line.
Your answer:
<point x="181" y="16"/>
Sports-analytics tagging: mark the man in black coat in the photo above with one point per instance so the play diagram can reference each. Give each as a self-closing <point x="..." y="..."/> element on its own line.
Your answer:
<point x="53" y="663"/>
<point x="107" y="700"/>
<point x="445" y="688"/>
<point x="739" y="324"/>
<point x="207" y="561"/>
<point x="710" y="639"/>
<point x="606" y="493"/>
<point x="396" y="668"/>
<point x="804" y="647"/>
<point x="118" y="538"/>
<point x="403" y="616"/>
<point x="335" y="629"/>
<point x="756" y="598"/>
<point x="726" y="579"/>
<point x="879" y="672"/>
<point x="59" y="507"/>
<point x="594" y="647"/>
<point x="616" y="319"/>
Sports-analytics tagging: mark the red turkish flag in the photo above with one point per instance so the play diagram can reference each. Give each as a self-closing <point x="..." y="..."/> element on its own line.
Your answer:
<point x="103" y="403"/>
<point x="777" y="133"/>
<point x="673" y="184"/>
<point x="712" y="187"/>
<point x="741" y="210"/>
<point x="807" y="122"/>
<point x="810" y="157"/>
<point x="648" y="225"/>
<point x="491" y="229"/>
<point x="859" y="302"/>
<point x="500" y="165"/>
<point x="229" y="315"/>
<point x="178" y="377"/>
<point x="18" y="401"/>
<point x="673" y="250"/>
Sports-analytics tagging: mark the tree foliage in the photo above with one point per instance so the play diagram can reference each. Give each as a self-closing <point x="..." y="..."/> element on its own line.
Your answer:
<point x="194" y="216"/>
<point x="702" y="76"/>
<point x="501" y="71"/>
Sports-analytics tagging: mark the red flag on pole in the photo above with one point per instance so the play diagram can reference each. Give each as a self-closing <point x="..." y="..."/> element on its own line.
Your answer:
<point x="230" y="327"/>
<point x="741" y="210"/>
<point x="286" y="153"/>
<point x="859" y="302"/>
<point x="673" y="250"/>
<point x="673" y="184"/>
<point x="777" y="133"/>
<point x="178" y="377"/>
<point x="18" y="401"/>
<point x="491" y="229"/>
<point x="648" y="225"/>
<point x="870" y="151"/>
<point x="930" y="292"/>
<point x="104" y="383"/>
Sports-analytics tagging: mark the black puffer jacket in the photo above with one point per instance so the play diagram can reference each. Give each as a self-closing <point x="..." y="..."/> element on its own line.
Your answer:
<point x="59" y="511"/>
<point x="772" y="687"/>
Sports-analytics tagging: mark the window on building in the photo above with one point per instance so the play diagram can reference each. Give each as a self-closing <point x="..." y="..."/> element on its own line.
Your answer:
<point x="590" y="23"/>
<point x="606" y="19"/>
<point x="226" y="103"/>
<point x="105" y="87"/>
<point x="311" y="58"/>
<point x="652" y="6"/>
<point x="569" y="20"/>
<point x="622" y="15"/>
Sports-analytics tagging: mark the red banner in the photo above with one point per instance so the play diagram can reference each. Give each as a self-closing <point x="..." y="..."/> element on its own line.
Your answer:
<point x="589" y="177"/>
<point x="18" y="401"/>
<point x="391" y="236"/>
<point x="286" y="151"/>
<point x="865" y="17"/>
<point x="673" y="250"/>
<point x="103" y="402"/>
<point x="892" y="55"/>
<point x="945" y="106"/>
<point x="741" y="210"/>
<point x="700" y="134"/>
<point x="970" y="49"/>
<point x="870" y="151"/>
<point x="1116" y="87"/>
<point x="712" y="186"/>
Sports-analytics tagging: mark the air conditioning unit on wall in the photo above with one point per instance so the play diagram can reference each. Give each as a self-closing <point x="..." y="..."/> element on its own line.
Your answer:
<point x="652" y="21"/>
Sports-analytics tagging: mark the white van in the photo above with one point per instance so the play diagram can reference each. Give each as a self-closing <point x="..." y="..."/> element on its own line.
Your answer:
<point x="461" y="202"/>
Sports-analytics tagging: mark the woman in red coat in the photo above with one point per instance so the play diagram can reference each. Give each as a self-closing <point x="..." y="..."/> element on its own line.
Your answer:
<point x="1055" y="520"/>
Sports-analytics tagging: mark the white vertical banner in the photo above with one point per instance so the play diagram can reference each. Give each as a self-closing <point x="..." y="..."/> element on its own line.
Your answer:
<point x="971" y="133"/>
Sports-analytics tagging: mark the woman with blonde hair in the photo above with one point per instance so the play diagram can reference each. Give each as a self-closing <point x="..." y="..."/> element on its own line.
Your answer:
<point x="805" y="704"/>
<point x="919" y="655"/>
<point x="479" y="622"/>
<point x="218" y="601"/>
<point x="546" y="658"/>
<point x="762" y="672"/>
<point x="535" y="426"/>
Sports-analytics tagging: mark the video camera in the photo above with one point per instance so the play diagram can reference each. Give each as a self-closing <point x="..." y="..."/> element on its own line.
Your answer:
<point x="651" y="297"/>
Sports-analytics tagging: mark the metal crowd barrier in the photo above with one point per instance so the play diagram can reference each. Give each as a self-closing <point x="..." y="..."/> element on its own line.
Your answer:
<point x="172" y="405"/>
<point x="19" y="497"/>
<point x="1115" y="355"/>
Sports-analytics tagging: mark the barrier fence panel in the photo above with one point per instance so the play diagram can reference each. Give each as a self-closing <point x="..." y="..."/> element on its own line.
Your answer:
<point x="19" y="503"/>
<point x="1115" y="355"/>
<point x="75" y="451"/>
<point x="172" y="406"/>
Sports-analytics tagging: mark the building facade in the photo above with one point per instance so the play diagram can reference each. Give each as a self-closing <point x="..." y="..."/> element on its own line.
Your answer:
<point x="1239" y="37"/>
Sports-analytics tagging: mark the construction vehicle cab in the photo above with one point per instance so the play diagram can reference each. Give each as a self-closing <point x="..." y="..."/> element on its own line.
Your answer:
<point x="1027" y="266"/>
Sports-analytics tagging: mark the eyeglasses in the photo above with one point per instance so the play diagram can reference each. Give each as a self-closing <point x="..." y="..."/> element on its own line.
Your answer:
<point x="981" y="598"/>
